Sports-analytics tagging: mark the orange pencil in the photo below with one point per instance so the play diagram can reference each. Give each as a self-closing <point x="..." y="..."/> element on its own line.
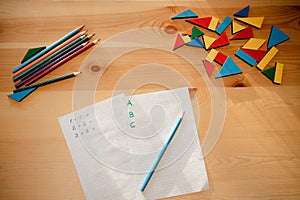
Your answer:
<point x="49" y="53"/>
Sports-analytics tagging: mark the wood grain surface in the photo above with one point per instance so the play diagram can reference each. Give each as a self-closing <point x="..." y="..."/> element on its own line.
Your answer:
<point x="257" y="155"/>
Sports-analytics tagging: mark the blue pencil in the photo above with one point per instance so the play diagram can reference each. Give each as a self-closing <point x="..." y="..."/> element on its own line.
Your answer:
<point x="161" y="153"/>
<point x="52" y="46"/>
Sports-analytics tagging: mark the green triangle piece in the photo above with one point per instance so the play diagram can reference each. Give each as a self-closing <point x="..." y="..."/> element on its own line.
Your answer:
<point x="32" y="52"/>
<point x="196" y="32"/>
<point x="270" y="73"/>
<point x="19" y="96"/>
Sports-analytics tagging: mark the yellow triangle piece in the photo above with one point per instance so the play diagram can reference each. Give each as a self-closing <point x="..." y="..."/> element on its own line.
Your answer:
<point x="188" y="32"/>
<point x="254" y="43"/>
<point x="186" y="38"/>
<point x="236" y="27"/>
<point x="208" y="41"/>
<point x="213" y="23"/>
<point x="212" y="55"/>
<point x="267" y="58"/>
<point x="253" y="21"/>
<point x="278" y="73"/>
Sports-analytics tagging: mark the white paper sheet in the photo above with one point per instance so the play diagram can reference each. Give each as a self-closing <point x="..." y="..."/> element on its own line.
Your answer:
<point x="112" y="157"/>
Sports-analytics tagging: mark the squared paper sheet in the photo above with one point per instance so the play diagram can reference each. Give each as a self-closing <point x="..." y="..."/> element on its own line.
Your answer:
<point x="112" y="159"/>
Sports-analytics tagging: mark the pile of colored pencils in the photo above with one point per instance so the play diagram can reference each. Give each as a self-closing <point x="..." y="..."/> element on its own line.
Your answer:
<point x="49" y="59"/>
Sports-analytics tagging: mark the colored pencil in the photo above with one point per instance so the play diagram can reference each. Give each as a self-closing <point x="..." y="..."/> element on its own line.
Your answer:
<point x="46" y="82"/>
<point x="49" y="53"/>
<point x="53" y="45"/>
<point x="48" y="70"/>
<point x="161" y="153"/>
<point x="53" y="57"/>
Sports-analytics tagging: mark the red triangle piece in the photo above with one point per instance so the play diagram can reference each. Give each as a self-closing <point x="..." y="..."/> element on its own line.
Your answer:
<point x="209" y="67"/>
<point x="222" y="40"/>
<point x="244" y="34"/>
<point x="220" y="58"/>
<point x="203" y="22"/>
<point x="179" y="42"/>
<point x="256" y="54"/>
<point x="264" y="47"/>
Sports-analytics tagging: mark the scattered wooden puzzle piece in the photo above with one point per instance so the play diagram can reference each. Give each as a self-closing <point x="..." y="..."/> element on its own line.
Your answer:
<point x="245" y="57"/>
<point x="222" y="40"/>
<point x="244" y="34"/>
<point x="203" y="22"/>
<point x="225" y="23"/>
<point x="235" y="27"/>
<point x="211" y="55"/>
<point x="270" y="73"/>
<point x="229" y="68"/>
<point x="213" y="23"/>
<point x="278" y="73"/>
<point x="263" y="47"/>
<point x="267" y="58"/>
<point x="256" y="54"/>
<point x="209" y="67"/>
<point x="252" y="21"/>
<point x="196" y="32"/>
<point x="208" y="41"/>
<point x="254" y="43"/>
<point x="178" y="42"/>
<point x="186" y="38"/>
<point x="19" y="96"/>
<point x="220" y="58"/>
<point x="32" y="52"/>
<point x="195" y="43"/>
<point x="276" y="37"/>
<point x="243" y="12"/>
<point x="188" y="31"/>
<point x="185" y="14"/>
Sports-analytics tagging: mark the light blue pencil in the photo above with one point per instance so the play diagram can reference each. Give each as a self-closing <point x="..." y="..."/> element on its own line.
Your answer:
<point x="52" y="46"/>
<point x="161" y="153"/>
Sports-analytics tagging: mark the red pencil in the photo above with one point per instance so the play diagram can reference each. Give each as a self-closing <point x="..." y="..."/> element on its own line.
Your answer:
<point x="50" y="69"/>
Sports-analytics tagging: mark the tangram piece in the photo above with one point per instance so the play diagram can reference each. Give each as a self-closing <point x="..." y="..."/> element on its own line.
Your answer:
<point x="188" y="32"/>
<point x="267" y="58"/>
<point x="32" y="52"/>
<point x="209" y="67"/>
<point x="196" y="32"/>
<point x="208" y="41"/>
<point x="213" y="23"/>
<point x="256" y="54"/>
<point x="245" y="57"/>
<point x="19" y="96"/>
<point x="212" y="55"/>
<point x="264" y="47"/>
<point x="235" y="27"/>
<point x="229" y="68"/>
<point x="270" y="73"/>
<point x="195" y="43"/>
<point x="222" y="40"/>
<point x="276" y="37"/>
<point x="252" y="21"/>
<point x="278" y="73"/>
<point x="220" y="58"/>
<point x="178" y="42"/>
<point x="203" y="22"/>
<point x="254" y="43"/>
<point x="225" y="23"/>
<point x="185" y="14"/>
<point x="186" y="38"/>
<point x="244" y="34"/>
<point x="243" y="13"/>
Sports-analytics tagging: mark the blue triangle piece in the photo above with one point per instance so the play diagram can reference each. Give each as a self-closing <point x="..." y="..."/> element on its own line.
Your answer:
<point x="228" y="68"/>
<point x="243" y="13"/>
<point x="276" y="37"/>
<point x="185" y="14"/>
<point x="195" y="43"/>
<point x="19" y="96"/>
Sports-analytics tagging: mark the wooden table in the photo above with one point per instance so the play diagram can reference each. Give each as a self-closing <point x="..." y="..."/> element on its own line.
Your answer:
<point x="257" y="155"/>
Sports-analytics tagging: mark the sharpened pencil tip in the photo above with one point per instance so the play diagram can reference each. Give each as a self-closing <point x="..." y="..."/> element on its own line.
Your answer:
<point x="183" y="114"/>
<point x="91" y="35"/>
<point x="76" y="73"/>
<point x="81" y="27"/>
